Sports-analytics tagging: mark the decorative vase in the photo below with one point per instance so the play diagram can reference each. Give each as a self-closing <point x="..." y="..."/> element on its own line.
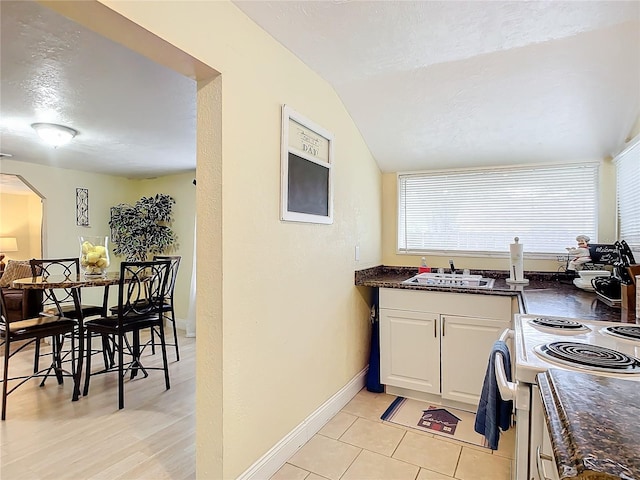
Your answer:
<point x="94" y="256"/>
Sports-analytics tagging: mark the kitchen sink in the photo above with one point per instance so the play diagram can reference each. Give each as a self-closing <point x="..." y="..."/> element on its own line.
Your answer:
<point x="453" y="280"/>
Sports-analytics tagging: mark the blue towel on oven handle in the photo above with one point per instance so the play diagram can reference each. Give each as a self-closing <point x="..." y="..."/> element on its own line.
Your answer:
<point x="493" y="411"/>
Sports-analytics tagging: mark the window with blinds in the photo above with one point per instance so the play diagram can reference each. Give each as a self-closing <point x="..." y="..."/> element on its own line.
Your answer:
<point x="481" y="211"/>
<point x="628" y="194"/>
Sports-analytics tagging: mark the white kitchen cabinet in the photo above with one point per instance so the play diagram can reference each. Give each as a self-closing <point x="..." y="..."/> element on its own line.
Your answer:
<point x="410" y="350"/>
<point x="465" y="346"/>
<point x="439" y="342"/>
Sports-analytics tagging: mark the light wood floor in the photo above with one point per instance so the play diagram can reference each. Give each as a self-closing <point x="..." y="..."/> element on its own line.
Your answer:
<point x="46" y="436"/>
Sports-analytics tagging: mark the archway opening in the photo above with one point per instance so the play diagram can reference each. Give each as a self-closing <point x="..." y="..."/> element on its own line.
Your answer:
<point x="22" y="217"/>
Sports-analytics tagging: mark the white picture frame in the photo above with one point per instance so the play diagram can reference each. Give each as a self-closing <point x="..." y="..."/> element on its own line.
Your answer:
<point x="306" y="167"/>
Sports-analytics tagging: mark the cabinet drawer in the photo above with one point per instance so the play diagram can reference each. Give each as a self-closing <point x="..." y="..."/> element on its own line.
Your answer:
<point x="463" y="304"/>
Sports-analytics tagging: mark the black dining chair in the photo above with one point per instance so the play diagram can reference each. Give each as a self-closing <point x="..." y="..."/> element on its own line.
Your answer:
<point x="23" y="333"/>
<point x="140" y="291"/>
<point x="167" y="303"/>
<point x="60" y="301"/>
<point x="167" y="306"/>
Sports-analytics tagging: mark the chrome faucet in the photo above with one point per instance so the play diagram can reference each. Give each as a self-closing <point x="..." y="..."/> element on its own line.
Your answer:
<point x="452" y="266"/>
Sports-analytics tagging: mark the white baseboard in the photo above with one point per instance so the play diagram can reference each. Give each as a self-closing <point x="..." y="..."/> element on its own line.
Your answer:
<point x="271" y="461"/>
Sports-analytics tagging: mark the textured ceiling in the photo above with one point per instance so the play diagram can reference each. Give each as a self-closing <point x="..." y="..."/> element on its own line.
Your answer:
<point x="429" y="84"/>
<point x="135" y="118"/>
<point x="459" y="84"/>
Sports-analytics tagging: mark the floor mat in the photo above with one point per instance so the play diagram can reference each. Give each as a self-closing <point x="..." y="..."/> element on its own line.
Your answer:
<point x="444" y="421"/>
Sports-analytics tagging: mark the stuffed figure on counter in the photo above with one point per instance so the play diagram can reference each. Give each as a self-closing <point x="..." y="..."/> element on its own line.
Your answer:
<point x="580" y="253"/>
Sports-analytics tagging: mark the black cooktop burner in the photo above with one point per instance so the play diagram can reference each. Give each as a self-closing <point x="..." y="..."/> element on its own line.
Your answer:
<point x="630" y="332"/>
<point x="561" y="323"/>
<point x="587" y="356"/>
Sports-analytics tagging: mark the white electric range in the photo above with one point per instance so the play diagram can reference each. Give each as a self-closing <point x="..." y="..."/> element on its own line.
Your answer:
<point x="543" y="342"/>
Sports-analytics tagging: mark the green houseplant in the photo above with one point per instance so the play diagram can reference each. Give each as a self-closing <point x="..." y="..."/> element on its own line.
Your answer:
<point x="143" y="229"/>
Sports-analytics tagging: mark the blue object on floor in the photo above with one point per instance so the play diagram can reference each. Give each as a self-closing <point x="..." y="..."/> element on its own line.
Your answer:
<point x="373" y="374"/>
<point x="493" y="411"/>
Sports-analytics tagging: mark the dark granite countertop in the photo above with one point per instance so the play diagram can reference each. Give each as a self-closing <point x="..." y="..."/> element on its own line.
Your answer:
<point x="594" y="436"/>
<point x="546" y="293"/>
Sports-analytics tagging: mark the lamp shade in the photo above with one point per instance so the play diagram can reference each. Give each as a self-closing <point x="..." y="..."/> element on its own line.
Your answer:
<point x="8" y="244"/>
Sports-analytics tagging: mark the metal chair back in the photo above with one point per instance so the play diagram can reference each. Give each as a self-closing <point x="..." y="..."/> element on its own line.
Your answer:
<point x="173" y="274"/>
<point x="141" y="288"/>
<point x="54" y="300"/>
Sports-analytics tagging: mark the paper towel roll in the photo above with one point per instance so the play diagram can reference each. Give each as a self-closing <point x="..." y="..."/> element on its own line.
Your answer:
<point x="516" y="264"/>
<point x="516" y="271"/>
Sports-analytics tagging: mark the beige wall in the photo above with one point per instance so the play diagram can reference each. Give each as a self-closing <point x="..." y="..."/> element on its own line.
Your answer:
<point x="60" y="232"/>
<point x="35" y="213"/>
<point x="606" y="230"/>
<point x="294" y="329"/>
<point x="21" y="217"/>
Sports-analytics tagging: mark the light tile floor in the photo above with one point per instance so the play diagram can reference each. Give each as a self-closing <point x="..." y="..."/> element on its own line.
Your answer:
<point x="357" y="445"/>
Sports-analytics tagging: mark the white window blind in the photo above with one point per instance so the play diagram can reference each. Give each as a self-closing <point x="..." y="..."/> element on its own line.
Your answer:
<point x="483" y="210"/>
<point x="628" y="195"/>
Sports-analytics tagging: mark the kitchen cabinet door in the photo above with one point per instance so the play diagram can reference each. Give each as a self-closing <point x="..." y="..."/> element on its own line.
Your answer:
<point x="466" y="344"/>
<point x="410" y="350"/>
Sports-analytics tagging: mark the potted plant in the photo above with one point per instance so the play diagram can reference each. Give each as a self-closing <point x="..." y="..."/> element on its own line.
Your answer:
<point x="143" y="229"/>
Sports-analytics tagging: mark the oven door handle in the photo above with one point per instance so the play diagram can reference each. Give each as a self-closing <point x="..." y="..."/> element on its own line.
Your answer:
<point x="506" y="335"/>
<point x="507" y="389"/>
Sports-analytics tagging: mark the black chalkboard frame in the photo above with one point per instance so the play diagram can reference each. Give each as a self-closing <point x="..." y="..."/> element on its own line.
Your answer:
<point x="306" y="168"/>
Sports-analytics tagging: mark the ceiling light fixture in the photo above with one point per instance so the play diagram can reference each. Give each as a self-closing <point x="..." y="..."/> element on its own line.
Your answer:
<point x="54" y="135"/>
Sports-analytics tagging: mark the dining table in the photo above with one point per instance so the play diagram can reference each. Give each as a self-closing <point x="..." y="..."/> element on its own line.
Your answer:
<point x="73" y="283"/>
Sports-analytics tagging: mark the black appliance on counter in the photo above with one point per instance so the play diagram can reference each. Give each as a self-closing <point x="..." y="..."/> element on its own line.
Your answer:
<point x="610" y="287"/>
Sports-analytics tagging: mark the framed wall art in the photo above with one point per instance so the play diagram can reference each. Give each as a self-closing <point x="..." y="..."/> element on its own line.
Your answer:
<point x="82" y="207"/>
<point x="306" y="168"/>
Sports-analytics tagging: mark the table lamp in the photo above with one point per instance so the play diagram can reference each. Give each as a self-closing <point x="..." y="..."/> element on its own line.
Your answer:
<point x="7" y="244"/>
